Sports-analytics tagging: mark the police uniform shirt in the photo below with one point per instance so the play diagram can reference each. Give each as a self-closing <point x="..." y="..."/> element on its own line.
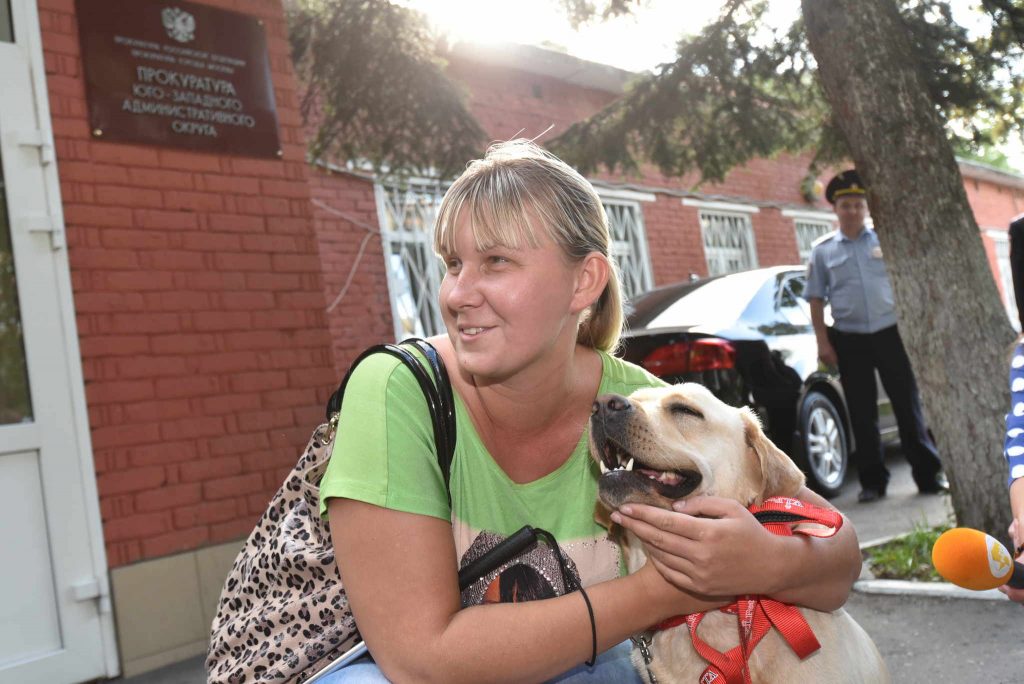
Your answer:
<point x="851" y="276"/>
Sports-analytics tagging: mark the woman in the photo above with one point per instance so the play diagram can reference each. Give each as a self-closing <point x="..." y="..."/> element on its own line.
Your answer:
<point x="531" y="303"/>
<point x="1013" y="450"/>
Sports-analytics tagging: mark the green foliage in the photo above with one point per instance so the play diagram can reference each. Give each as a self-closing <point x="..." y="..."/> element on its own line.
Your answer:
<point x="739" y="90"/>
<point x="985" y="154"/>
<point x="736" y="91"/>
<point x="376" y="91"/>
<point x="908" y="557"/>
<point x="975" y="80"/>
<point x="580" y="12"/>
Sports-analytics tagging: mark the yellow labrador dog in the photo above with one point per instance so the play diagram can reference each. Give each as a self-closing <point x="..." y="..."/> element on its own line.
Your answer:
<point x="660" y="445"/>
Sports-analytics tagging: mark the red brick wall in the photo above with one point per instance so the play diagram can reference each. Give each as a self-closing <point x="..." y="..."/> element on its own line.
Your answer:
<point x="507" y="105"/>
<point x="673" y="240"/>
<point x="200" y="312"/>
<point x="994" y="206"/>
<point x="345" y="216"/>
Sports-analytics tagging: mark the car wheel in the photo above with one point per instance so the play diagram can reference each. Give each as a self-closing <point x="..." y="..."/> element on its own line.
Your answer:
<point x="823" y="444"/>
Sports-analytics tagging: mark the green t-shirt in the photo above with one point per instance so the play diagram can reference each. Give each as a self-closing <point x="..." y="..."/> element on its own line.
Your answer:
<point x="384" y="454"/>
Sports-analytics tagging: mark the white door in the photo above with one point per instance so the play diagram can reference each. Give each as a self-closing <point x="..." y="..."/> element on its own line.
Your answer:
<point x="55" y="622"/>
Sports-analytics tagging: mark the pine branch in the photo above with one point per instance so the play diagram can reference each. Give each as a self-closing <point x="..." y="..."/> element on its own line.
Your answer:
<point x="735" y="93"/>
<point x="376" y="91"/>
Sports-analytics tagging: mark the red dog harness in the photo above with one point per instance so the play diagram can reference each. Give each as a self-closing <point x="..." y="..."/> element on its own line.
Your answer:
<point x="757" y="615"/>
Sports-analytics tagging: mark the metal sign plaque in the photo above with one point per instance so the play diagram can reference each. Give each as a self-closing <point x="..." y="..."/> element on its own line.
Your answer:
<point x="178" y="74"/>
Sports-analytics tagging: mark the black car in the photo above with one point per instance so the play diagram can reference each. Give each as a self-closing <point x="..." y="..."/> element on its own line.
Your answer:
<point x="747" y="336"/>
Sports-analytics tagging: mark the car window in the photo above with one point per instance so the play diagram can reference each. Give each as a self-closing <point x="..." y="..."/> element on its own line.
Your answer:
<point x="649" y="305"/>
<point x="714" y="302"/>
<point x="791" y="303"/>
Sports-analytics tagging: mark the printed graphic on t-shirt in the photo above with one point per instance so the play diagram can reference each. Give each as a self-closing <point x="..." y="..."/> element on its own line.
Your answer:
<point x="533" y="575"/>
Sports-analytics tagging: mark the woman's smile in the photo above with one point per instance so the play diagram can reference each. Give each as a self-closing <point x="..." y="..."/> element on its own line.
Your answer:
<point x="471" y="333"/>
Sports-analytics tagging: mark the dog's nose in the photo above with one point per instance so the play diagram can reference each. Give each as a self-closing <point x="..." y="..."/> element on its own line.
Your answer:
<point x="609" y="404"/>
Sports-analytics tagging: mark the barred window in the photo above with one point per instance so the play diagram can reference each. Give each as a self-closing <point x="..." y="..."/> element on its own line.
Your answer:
<point x="728" y="242"/>
<point x="414" y="273"/>
<point x="807" y="231"/>
<point x="629" y="246"/>
<point x="1001" y="242"/>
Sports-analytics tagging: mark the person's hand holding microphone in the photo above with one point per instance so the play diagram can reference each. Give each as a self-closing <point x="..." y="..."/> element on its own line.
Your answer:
<point x="1017" y="535"/>
<point x="973" y="560"/>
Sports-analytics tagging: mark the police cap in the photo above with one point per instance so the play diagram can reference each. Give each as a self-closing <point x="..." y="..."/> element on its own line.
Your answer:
<point x="845" y="184"/>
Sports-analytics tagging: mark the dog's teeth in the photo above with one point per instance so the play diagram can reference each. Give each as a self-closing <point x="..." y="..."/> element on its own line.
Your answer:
<point x="604" y="468"/>
<point x="669" y="478"/>
<point x="629" y="463"/>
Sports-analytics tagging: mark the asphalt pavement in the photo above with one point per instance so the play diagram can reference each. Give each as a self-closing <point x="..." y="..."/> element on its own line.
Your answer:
<point x="928" y="634"/>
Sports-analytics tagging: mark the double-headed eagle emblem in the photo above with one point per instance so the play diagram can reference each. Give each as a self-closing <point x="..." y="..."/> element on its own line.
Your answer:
<point x="180" y="25"/>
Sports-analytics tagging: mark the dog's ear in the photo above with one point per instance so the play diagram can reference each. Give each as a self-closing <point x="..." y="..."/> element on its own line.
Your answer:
<point x="779" y="475"/>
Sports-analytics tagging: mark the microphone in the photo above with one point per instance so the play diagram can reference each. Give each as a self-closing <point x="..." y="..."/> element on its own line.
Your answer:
<point x="973" y="560"/>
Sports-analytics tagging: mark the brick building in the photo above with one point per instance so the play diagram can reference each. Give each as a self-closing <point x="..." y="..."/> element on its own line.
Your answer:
<point x="172" y="320"/>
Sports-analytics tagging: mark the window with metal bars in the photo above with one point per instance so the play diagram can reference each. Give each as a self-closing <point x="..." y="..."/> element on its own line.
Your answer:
<point x="1001" y="242"/>
<point x="728" y="242"/>
<point x="406" y="215"/>
<point x="629" y="246"/>
<point x="807" y="232"/>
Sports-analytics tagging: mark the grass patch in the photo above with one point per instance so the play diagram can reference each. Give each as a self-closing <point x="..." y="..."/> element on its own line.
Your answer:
<point x="908" y="557"/>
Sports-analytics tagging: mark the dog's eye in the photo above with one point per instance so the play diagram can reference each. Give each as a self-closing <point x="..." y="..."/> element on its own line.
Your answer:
<point x="683" y="409"/>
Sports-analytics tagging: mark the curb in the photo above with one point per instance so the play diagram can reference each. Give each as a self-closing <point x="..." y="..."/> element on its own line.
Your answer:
<point x="870" y="585"/>
<point x="925" y="589"/>
<point x="881" y="540"/>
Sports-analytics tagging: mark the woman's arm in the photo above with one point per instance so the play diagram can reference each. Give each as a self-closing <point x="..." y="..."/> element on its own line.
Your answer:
<point x="713" y="546"/>
<point x="1016" y="533"/>
<point x="400" y="575"/>
<point x="1017" y="506"/>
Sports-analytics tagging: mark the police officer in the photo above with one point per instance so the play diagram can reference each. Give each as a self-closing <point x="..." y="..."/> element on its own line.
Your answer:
<point x="846" y="269"/>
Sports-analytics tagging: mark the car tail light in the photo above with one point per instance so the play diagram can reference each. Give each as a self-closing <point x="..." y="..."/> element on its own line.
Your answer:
<point x="690" y="356"/>
<point x="711" y="354"/>
<point x="671" y="359"/>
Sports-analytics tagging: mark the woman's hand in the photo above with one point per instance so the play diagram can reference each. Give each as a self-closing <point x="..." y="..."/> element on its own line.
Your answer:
<point x="708" y="545"/>
<point x="1017" y="536"/>
<point x="1016" y="531"/>
<point x="668" y="598"/>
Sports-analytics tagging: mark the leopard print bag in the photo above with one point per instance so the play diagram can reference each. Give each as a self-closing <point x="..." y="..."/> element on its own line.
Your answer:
<point x="283" y="612"/>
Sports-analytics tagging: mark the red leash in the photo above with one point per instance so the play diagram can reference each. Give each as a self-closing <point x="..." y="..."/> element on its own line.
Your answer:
<point x="757" y="615"/>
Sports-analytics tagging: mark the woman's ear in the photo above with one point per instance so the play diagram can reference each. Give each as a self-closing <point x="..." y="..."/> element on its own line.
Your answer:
<point x="592" y="277"/>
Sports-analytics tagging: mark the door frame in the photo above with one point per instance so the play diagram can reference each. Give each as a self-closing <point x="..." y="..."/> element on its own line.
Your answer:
<point x="28" y="38"/>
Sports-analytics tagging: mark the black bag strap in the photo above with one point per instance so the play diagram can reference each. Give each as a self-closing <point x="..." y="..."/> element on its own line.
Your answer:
<point x="445" y="405"/>
<point x="437" y="391"/>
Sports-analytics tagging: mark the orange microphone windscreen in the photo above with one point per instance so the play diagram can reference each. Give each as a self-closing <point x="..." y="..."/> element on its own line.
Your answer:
<point x="971" y="559"/>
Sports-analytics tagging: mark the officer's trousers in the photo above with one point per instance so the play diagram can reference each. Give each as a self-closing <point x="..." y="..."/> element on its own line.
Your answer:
<point x="859" y="356"/>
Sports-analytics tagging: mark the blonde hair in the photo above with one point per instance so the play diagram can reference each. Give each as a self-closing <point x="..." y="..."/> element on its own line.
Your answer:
<point x="517" y="180"/>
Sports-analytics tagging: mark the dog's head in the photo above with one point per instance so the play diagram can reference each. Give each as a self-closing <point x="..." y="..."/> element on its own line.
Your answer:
<point x="664" y="444"/>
